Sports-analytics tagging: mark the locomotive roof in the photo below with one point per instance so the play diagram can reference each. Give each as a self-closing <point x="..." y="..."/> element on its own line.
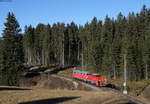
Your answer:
<point x="95" y="74"/>
<point x="83" y="72"/>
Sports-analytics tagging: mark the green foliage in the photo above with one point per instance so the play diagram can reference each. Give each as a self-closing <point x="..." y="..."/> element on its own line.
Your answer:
<point x="98" y="46"/>
<point x="11" y="52"/>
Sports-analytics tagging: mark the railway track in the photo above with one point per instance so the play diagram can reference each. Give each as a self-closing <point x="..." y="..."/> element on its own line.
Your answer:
<point x="94" y="88"/>
<point x="122" y="99"/>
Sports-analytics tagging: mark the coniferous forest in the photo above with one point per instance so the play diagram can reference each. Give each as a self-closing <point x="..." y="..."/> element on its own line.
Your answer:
<point x="98" y="46"/>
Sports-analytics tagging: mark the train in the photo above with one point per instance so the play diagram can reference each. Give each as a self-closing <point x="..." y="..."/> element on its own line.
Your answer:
<point x="92" y="78"/>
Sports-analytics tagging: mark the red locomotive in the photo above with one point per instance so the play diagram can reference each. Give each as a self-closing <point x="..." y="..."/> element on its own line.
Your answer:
<point x="90" y="78"/>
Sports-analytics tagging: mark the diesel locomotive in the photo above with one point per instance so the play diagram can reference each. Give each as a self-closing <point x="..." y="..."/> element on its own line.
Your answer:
<point x="91" y="78"/>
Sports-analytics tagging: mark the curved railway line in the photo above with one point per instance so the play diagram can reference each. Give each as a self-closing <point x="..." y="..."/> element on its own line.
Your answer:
<point x="122" y="99"/>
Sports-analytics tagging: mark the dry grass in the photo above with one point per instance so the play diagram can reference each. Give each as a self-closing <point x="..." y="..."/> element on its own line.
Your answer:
<point x="67" y="73"/>
<point x="137" y="88"/>
<point x="62" y="96"/>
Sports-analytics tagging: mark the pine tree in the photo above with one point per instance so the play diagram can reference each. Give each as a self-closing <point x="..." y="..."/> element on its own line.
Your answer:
<point x="97" y="46"/>
<point x="28" y="45"/>
<point x="47" y="49"/>
<point x="1" y="58"/>
<point x="71" y="43"/>
<point x="146" y="52"/>
<point x="12" y="56"/>
<point x="38" y="42"/>
<point x="107" y="43"/>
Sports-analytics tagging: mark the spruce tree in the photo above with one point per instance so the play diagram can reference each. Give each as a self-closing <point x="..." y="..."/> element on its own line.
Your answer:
<point x="12" y="54"/>
<point x="28" y="45"/>
<point x="1" y="60"/>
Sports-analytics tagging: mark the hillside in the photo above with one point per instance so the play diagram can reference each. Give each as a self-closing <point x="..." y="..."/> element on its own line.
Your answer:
<point x="14" y="95"/>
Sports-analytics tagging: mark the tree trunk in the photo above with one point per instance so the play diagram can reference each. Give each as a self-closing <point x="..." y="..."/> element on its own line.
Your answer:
<point x="63" y="54"/>
<point x="29" y="57"/>
<point x="43" y="57"/>
<point x="82" y="61"/>
<point x="69" y="53"/>
<point x="78" y="50"/>
<point x="82" y="58"/>
<point x="114" y="69"/>
<point x="146" y="72"/>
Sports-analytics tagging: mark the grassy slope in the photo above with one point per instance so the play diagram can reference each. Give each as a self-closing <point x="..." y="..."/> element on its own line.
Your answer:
<point x="64" y="96"/>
